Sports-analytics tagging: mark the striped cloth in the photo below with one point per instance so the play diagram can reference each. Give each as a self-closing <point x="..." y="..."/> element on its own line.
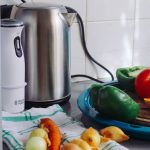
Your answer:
<point x="17" y="127"/>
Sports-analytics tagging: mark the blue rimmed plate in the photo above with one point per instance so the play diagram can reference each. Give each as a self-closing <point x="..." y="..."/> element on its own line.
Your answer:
<point x="134" y="130"/>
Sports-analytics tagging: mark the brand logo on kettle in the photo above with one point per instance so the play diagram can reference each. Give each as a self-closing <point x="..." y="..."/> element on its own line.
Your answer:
<point x="19" y="102"/>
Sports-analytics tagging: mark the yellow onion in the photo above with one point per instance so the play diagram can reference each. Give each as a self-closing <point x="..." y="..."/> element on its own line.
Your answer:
<point x="41" y="133"/>
<point x="70" y="146"/>
<point x="36" y="143"/>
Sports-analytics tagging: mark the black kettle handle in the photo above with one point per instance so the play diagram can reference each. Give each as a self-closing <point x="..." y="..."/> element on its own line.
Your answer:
<point x="23" y="1"/>
<point x="6" y="10"/>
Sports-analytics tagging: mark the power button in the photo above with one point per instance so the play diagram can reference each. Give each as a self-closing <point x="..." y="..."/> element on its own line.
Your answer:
<point x="17" y="45"/>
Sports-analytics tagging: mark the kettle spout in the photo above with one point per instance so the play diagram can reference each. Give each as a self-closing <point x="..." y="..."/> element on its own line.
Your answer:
<point x="69" y="17"/>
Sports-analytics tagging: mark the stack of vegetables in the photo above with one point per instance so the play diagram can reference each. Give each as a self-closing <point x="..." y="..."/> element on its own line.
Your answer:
<point x="109" y="101"/>
<point x="114" y="102"/>
<point x="136" y="79"/>
<point x="48" y="137"/>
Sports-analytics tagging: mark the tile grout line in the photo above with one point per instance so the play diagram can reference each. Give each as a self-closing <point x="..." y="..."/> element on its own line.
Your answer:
<point x="86" y="13"/>
<point x="86" y="28"/>
<point x="115" y="20"/>
<point x="111" y="20"/>
<point x="119" y="20"/>
<point x="134" y="24"/>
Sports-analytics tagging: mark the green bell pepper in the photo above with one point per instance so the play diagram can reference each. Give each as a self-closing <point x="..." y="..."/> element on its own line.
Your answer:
<point x="113" y="102"/>
<point x="126" y="76"/>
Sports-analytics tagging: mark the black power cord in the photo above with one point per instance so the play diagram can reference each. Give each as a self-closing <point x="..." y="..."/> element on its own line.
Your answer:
<point x="86" y="76"/>
<point x="80" y="22"/>
<point x="23" y="1"/>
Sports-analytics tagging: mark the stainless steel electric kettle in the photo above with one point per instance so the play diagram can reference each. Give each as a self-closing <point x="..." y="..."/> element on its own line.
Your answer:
<point x="47" y="52"/>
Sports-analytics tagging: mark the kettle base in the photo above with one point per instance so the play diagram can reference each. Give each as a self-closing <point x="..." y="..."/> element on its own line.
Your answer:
<point x="30" y="104"/>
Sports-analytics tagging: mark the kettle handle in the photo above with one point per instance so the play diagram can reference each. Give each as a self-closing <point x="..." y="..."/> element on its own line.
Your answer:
<point x="23" y="1"/>
<point x="68" y="17"/>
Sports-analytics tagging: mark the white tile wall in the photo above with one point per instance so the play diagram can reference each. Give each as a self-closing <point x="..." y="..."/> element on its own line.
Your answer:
<point x="141" y="57"/>
<point x="111" y="43"/>
<point x="142" y="34"/>
<point x="117" y="34"/>
<point x="143" y="9"/>
<point x="77" y="54"/>
<point x="110" y="35"/>
<point x="110" y="9"/>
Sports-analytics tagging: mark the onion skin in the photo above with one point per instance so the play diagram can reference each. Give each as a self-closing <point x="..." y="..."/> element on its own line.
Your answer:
<point x="36" y="143"/>
<point x="41" y="133"/>
<point x="70" y="146"/>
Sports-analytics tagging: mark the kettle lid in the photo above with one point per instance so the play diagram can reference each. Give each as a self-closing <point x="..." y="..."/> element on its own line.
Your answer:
<point x="11" y="23"/>
<point x="41" y="6"/>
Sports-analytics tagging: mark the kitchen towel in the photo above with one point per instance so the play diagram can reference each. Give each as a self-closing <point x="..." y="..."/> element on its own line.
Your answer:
<point x="17" y="127"/>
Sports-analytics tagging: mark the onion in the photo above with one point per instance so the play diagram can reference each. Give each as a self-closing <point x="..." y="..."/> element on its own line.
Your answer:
<point x="41" y="133"/>
<point x="70" y="146"/>
<point x="36" y="143"/>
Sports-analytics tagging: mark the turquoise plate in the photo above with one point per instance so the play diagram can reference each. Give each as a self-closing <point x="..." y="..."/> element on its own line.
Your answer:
<point x="134" y="130"/>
